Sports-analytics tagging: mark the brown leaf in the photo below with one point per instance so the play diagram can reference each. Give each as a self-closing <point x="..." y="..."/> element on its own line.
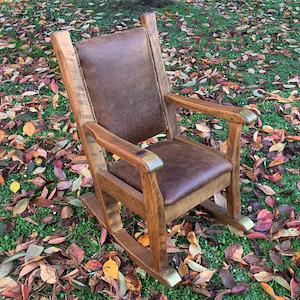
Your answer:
<point x="66" y="212"/>
<point x="266" y="189"/>
<point x="75" y="252"/>
<point x="133" y="283"/>
<point x="48" y="274"/>
<point x="226" y="278"/>
<point x="183" y="269"/>
<point x="263" y="276"/>
<point x="235" y="252"/>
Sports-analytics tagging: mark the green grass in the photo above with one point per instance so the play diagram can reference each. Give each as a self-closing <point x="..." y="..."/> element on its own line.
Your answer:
<point x="220" y="33"/>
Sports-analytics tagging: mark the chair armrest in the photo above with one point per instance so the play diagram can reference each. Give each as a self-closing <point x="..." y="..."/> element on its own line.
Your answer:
<point x="142" y="159"/>
<point x="230" y="113"/>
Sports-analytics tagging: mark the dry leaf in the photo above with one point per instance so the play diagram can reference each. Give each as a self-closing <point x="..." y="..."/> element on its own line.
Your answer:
<point x="111" y="269"/>
<point x="14" y="186"/>
<point x="263" y="276"/>
<point x="29" y="129"/>
<point x="183" y="269"/>
<point x="66" y="212"/>
<point x="48" y="274"/>
<point x="133" y="283"/>
<point x="144" y="240"/>
<point x="270" y="291"/>
<point x="21" y="206"/>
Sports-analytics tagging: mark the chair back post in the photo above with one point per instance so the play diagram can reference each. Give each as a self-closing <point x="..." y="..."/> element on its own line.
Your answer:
<point x="148" y="21"/>
<point x="83" y="112"/>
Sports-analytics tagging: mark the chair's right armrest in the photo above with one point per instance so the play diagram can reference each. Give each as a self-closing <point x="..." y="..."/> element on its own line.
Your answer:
<point x="142" y="159"/>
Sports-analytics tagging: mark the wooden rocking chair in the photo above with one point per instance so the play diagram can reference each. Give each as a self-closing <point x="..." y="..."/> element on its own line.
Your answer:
<point x="120" y="96"/>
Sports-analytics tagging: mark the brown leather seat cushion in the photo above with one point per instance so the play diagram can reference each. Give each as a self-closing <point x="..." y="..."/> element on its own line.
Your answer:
<point x="186" y="169"/>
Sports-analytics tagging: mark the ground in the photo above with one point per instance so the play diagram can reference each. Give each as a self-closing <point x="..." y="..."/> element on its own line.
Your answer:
<point x="244" y="53"/>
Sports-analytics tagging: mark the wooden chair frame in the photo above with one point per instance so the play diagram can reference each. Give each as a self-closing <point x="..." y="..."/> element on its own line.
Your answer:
<point x="149" y="204"/>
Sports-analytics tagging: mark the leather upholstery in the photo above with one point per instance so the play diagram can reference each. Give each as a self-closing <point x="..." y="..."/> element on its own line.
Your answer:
<point x="121" y="80"/>
<point x="186" y="169"/>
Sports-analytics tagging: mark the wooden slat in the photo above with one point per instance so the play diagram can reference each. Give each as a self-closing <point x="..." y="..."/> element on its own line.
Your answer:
<point x="148" y="21"/>
<point x="240" y="222"/>
<point x="182" y="206"/>
<point x="122" y="192"/>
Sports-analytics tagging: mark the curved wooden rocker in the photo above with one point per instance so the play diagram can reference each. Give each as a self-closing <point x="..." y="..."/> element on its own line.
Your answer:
<point x="120" y="96"/>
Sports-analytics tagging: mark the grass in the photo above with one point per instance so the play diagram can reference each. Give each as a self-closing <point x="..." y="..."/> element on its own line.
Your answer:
<point x="109" y="14"/>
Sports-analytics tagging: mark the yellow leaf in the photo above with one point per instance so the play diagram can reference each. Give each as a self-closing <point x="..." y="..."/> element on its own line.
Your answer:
<point x="111" y="269"/>
<point x="144" y="240"/>
<point x="277" y="147"/>
<point x="29" y="129"/>
<point x="14" y="186"/>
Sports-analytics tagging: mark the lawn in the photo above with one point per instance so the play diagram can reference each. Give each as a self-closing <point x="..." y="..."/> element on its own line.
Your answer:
<point x="244" y="53"/>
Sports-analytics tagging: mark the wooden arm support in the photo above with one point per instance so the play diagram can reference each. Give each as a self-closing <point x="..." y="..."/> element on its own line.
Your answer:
<point x="144" y="160"/>
<point x="230" y="113"/>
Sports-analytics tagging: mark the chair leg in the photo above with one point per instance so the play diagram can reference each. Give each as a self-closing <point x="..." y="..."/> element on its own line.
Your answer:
<point x="140" y="255"/>
<point x="155" y="217"/>
<point x="232" y="215"/>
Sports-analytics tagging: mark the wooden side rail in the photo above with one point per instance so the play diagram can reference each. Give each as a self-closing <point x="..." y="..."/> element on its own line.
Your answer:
<point x="230" y="113"/>
<point x="142" y="159"/>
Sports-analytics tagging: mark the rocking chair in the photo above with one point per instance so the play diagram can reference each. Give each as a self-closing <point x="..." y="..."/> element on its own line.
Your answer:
<point x="120" y="96"/>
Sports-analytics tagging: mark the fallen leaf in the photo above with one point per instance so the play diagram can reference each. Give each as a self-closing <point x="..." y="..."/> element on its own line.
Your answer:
<point x="21" y="206"/>
<point x="263" y="276"/>
<point x="266" y="189"/>
<point x="133" y="283"/>
<point x="235" y="252"/>
<point x="93" y="265"/>
<point x="270" y="291"/>
<point x="48" y="274"/>
<point x="29" y="129"/>
<point x="144" y="240"/>
<point x="66" y="212"/>
<point x="14" y="186"/>
<point x="33" y="251"/>
<point x="111" y="269"/>
<point x="75" y="252"/>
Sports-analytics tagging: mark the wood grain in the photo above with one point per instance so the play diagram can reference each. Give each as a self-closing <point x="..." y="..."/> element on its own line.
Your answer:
<point x="230" y="113"/>
<point x="148" y="21"/>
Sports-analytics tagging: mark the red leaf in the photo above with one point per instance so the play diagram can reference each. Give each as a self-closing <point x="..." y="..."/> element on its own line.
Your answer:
<point x="54" y="87"/>
<point x="264" y="214"/>
<point x="263" y="225"/>
<point x="257" y="235"/>
<point x="188" y="90"/>
<point x="93" y="265"/>
<point x="270" y="201"/>
<point x="103" y="236"/>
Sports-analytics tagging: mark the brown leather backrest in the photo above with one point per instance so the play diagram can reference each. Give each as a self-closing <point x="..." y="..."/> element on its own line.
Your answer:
<point x="121" y="80"/>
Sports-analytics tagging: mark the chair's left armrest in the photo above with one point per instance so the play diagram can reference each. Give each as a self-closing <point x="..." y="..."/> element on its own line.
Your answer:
<point x="231" y="113"/>
<point x="143" y="159"/>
